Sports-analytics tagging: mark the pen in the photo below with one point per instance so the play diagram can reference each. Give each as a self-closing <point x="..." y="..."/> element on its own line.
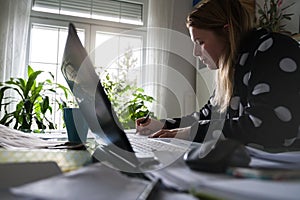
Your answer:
<point x="145" y="119"/>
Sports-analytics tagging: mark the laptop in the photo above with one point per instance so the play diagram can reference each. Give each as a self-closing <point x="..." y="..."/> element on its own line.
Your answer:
<point x="115" y="146"/>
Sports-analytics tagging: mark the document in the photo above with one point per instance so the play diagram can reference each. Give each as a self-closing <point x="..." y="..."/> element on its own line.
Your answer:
<point x="286" y="157"/>
<point x="93" y="182"/>
<point x="249" y="189"/>
<point x="180" y="177"/>
<point x="14" y="139"/>
<point x="283" y="160"/>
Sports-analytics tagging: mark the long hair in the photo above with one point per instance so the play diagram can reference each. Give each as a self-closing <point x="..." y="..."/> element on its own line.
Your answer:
<point x="214" y="15"/>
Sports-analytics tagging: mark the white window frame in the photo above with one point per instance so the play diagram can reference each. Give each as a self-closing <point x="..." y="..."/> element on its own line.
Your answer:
<point x="90" y="26"/>
<point x="110" y="30"/>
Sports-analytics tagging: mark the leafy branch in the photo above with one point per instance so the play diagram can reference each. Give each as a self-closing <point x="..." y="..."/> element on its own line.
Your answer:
<point x="24" y="102"/>
<point x="272" y="13"/>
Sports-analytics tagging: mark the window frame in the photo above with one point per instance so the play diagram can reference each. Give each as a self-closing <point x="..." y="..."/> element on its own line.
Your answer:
<point x="90" y="27"/>
<point x="111" y="30"/>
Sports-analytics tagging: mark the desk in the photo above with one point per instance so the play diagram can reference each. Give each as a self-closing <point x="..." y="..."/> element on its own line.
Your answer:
<point x="67" y="160"/>
<point x="95" y="183"/>
<point x="220" y="185"/>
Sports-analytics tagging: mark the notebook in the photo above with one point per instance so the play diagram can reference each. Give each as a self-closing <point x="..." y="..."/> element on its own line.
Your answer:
<point x="115" y="146"/>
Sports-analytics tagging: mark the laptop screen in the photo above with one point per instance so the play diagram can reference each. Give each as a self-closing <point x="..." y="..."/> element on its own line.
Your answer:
<point x="79" y="72"/>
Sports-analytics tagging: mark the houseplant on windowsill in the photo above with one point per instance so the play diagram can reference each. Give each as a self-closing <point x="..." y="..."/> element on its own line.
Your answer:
<point x="130" y="108"/>
<point x="31" y="103"/>
<point x="129" y="101"/>
<point x="272" y="15"/>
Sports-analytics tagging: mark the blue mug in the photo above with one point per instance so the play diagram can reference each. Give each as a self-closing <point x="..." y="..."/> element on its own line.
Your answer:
<point x="76" y="125"/>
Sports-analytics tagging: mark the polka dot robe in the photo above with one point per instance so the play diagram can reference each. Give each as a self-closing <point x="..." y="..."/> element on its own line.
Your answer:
<point x="265" y="105"/>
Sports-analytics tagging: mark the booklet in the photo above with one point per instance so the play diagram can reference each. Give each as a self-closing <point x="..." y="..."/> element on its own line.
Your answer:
<point x="95" y="181"/>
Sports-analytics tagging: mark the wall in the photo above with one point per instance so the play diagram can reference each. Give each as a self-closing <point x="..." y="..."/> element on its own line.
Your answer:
<point x="181" y="100"/>
<point x="200" y="78"/>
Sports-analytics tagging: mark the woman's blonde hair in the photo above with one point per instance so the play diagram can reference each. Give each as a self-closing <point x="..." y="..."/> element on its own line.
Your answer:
<point x="215" y="15"/>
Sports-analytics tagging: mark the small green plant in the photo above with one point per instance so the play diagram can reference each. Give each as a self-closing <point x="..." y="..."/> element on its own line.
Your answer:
<point x="129" y="101"/>
<point x="30" y="101"/>
<point x="271" y="15"/>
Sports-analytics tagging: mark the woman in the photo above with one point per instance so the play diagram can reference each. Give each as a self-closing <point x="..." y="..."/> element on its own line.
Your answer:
<point x="257" y="90"/>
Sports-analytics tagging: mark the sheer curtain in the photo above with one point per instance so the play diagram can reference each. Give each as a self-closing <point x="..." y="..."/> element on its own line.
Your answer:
<point x="160" y="19"/>
<point x="14" y="26"/>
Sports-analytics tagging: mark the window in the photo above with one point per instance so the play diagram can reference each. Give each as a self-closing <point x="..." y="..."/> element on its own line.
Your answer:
<point x="49" y="32"/>
<point x="126" y="53"/>
<point x="48" y="53"/>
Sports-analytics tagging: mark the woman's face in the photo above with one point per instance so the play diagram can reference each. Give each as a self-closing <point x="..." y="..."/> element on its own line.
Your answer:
<point x="207" y="46"/>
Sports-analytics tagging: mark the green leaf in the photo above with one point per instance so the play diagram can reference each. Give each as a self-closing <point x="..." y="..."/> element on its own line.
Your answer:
<point x="30" y="82"/>
<point x="45" y="105"/>
<point x="29" y="70"/>
<point x="2" y="90"/>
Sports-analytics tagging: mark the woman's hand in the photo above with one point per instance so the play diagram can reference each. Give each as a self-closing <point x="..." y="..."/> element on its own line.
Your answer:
<point x="148" y="127"/>
<point x="180" y="133"/>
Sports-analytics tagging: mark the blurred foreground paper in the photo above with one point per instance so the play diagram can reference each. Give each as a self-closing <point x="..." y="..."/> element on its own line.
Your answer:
<point x="12" y="139"/>
<point x="92" y="182"/>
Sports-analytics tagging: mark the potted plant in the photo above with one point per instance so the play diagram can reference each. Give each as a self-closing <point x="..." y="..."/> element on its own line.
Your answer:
<point x="129" y="101"/>
<point x="272" y="14"/>
<point x="130" y="108"/>
<point x="30" y="103"/>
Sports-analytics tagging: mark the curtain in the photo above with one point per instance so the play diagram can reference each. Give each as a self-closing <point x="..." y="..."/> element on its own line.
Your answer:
<point x="14" y="27"/>
<point x="160" y="19"/>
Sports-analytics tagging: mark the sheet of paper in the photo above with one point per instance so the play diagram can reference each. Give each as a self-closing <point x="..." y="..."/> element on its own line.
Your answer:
<point x="288" y="157"/>
<point x="14" y="139"/>
<point x="180" y="177"/>
<point x="237" y="189"/>
<point x="263" y="163"/>
<point x="92" y="182"/>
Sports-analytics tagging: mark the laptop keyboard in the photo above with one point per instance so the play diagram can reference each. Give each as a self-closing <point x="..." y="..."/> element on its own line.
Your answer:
<point x="142" y="144"/>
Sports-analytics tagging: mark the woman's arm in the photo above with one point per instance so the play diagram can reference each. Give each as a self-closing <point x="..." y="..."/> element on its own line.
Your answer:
<point x="189" y="120"/>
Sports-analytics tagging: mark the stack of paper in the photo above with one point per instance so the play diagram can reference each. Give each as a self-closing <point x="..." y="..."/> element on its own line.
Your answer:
<point x="180" y="177"/>
<point x="283" y="160"/>
<point x="14" y="139"/>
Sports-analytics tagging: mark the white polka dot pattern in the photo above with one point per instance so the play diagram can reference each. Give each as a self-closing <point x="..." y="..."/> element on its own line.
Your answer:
<point x="243" y="59"/>
<point x="241" y="109"/>
<point x="264" y="46"/>
<point x="289" y="142"/>
<point x="256" y="121"/>
<point x="205" y="112"/>
<point x="196" y="115"/>
<point x="265" y="35"/>
<point x="234" y="103"/>
<point x="261" y="88"/>
<point x="216" y="134"/>
<point x="246" y="78"/>
<point x="265" y="103"/>
<point x="283" y="113"/>
<point x="288" y="65"/>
